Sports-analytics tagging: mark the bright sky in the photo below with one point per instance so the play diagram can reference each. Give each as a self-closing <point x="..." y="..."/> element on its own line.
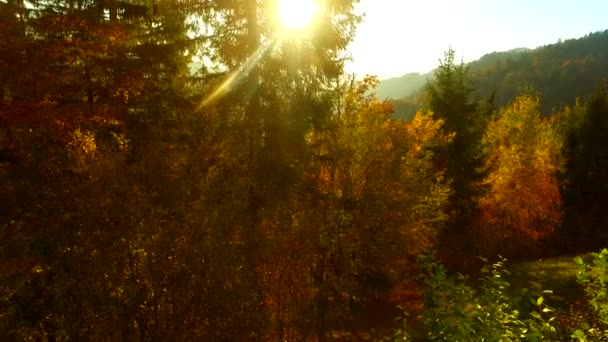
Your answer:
<point x="401" y="36"/>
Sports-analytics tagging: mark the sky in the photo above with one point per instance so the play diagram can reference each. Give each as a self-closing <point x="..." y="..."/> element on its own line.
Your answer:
<point x="401" y="36"/>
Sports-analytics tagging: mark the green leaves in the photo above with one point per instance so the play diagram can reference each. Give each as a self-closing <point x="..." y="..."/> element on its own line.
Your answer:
<point x="579" y="335"/>
<point x="539" y="301"/>
<point x="594" y="278"/>
<point x="456" y="312"/>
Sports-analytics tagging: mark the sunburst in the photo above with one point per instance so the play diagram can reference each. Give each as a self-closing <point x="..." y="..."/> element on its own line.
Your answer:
<point x="297" y="14"/>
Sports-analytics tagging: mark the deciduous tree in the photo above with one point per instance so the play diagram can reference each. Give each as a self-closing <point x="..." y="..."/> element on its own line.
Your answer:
<point x="523" y="202"/>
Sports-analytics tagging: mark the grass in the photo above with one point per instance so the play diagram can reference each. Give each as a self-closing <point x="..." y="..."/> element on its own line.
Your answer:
<point x="557" y="274"/>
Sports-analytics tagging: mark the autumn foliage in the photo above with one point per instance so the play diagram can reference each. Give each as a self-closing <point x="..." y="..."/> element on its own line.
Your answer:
<point x="149" y="195"/>
<point x="523" y="198"/>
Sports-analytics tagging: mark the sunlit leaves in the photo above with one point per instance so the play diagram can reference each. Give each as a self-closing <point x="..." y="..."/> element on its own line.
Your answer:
<point x="387" y="165"/>
<point x="369" y="199"/>
<point x="523" y="199"/>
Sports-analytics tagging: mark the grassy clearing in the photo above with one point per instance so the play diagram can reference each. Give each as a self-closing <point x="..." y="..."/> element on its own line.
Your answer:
<point x="557" y="274"/>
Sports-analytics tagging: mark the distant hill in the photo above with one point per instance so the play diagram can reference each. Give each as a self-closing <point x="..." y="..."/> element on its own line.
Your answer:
<point x="560" y="72"/>
<point x="400" y="87"/>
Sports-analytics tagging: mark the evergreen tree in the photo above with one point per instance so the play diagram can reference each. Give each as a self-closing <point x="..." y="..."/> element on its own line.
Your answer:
<point x="585" y="140"/>
<point x="449" y="98"/>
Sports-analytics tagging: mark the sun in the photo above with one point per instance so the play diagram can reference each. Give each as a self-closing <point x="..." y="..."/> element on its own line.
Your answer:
<point x="296" y="14"/>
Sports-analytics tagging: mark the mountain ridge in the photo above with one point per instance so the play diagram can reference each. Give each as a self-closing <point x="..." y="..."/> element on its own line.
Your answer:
<point x="399" y="87"/>
<point x="560" y="73"/>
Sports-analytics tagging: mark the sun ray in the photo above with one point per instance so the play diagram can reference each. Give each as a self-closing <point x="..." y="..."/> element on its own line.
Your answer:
<point x="239" y="74"/>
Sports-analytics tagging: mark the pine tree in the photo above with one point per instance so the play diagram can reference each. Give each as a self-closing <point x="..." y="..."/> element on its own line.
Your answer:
<point x="449" y="97"/>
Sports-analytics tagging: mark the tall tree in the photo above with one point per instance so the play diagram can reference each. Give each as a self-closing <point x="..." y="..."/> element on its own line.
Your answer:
<point x="82" y="103"/>
<point x="368" y="202"/>
<point x="449" y="98"/>
<point x="586" y="164"/>
<point x="523" y="203"/>
<point x="274" y="89"/>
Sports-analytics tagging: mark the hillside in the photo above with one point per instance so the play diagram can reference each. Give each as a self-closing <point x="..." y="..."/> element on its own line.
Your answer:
<point x="560" y="72"/>
<point x="400" y="87"/>
<point x="409" y="84"/>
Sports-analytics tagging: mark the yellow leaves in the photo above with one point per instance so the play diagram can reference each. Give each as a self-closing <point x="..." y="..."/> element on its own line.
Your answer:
<point x="368" y="83"/>
<point x="83" y="142"/>
<point x="83" y="148"/>
<point x="384" y="169"/>
<point x="426" y="130"/>
<point x="362" y="107"/>
<point x="525" y="105"/>
<point x="522" y="160"/>
<point x="121" y="141"/>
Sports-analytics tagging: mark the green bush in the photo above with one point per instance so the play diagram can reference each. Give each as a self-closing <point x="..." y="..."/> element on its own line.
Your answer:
<point x="455" y="311"/>
<point x="593" y="277"/>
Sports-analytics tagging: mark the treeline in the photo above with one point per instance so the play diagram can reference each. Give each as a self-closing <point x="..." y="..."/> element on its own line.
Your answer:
<point x="560" y="72"/>
<point x="264" y="197"/>
<point x="519" y="176"/>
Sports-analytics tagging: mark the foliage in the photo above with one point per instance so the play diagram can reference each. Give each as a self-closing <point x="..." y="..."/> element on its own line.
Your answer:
<point x="523" y="199"/>
<point x="562" y="71"/>
<point x="368" y="193"/>
<point x="594" y="277"/>
<point x="264" y="196"/>
<point x="449" y="97"/>
<point x="141" y="214"/>
<point x="454" y="311"/>
<point x="449" y="303"/>
<point x="583" y="127"/>
<point x="401" y="332"/>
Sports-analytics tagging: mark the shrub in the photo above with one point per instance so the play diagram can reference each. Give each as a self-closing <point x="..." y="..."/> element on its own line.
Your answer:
<point x="593" y="277"/>
<point x="455" y="311"/>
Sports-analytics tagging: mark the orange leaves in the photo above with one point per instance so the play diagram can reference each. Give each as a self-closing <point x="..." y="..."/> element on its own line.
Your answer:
<point x="426" y="131"/>
<point x="523" y="197"/>
<point x="385" y="168"/>
<point x="370" y="198"/>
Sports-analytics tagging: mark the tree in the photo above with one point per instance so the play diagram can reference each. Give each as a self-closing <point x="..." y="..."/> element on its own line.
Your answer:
<point x="89" y="91"/>
<point x="449" y="98"/>
<point x="152" y="206"/>
<point x="523" y="202"/>
<point x="365" y="204"/>
<point x="277" y="91"/>
<point x="561" y="72"/>
<point x="586" y="160"/>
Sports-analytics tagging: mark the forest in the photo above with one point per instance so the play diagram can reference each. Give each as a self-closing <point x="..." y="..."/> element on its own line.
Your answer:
<point x="187" y="171"/>
<point x="562" y="72"/>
